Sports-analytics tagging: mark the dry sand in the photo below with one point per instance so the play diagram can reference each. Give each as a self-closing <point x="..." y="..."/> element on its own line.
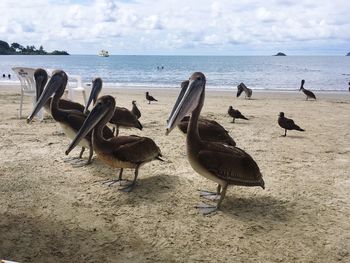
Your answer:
<point x="52" y="212"/>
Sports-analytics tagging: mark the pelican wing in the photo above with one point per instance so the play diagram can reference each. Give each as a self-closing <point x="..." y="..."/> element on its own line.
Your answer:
<point x="230" y="164"/>
<point x="135" y="149"/>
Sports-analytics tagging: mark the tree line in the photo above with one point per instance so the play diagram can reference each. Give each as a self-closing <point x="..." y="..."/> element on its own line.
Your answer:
<point x="18" y="49"/>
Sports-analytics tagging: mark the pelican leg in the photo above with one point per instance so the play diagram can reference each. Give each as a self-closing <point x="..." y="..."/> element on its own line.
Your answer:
<point x="119" y="180"/>
<point x="206" y="209"/>
<point x="285" y="132"/>
<point x="116" y="129"/>
<point x="82" y="151"/>
<point x="131" y="186"/>
<point x="233" y="120"/>
<point x="80" y="162"/>
<point x="211" y="195"/>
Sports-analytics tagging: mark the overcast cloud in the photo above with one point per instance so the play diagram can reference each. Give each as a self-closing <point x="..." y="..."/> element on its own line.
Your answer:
<point x="223" y="27"/>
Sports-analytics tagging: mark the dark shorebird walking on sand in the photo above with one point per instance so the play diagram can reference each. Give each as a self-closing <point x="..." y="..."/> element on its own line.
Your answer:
<point x="223" y="164"/>
<point x="235" y="114"/>
<point x="135" y="110"/>
<point x="287" y="124"/>
<point x="248" y="92"/>
<point x="308" y="93"/>
<point x="120" y="151"/>
<point x="150" y="98"/>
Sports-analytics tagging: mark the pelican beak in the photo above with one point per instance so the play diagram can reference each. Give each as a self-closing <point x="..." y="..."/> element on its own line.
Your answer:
<point x="54" y="84"/>
<point x="40" y="76"/>
<point x="95" y="91"/>
<point x="94" y="117"/>
<point x="184" y="86"/>
<point x="185" y="104"/>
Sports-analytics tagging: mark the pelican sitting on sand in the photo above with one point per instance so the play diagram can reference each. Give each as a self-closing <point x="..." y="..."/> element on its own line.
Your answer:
<point x="235" y="114"/>
<point x="223" y="164"/>
<point x="248" y="92"/>
<point x="287" y="124"/>
<point x="122" y="116"/>
<point x="121" y="151"/>
<point x="308" y="93"/>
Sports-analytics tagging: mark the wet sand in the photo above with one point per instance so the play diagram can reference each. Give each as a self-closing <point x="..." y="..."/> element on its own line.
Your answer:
<point x="53" y="212"/>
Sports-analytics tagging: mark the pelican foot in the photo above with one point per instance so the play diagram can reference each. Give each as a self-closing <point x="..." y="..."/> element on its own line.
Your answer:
<point x="115" y="181"/>
<point x="71" y="159"/>
<point x="206" y="209"/>
<point x="209" y="195"/>
<point x="80" y="163"/>
<point x="128" y="188"/>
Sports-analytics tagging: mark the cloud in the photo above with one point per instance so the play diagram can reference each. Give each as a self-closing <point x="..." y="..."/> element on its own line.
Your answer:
<point x="171" y="26"/>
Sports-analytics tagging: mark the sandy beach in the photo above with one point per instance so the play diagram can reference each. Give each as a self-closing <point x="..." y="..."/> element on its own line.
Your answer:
<point x="53" y="212"/>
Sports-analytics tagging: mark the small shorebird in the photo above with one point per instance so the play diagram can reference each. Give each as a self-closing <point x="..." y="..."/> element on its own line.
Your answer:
<point x="223" y="164"/>
<point x="308" y="93"/>
<point x="120" y="151"/>
<point x="150" y="98"/>
<point x="135" y="110"/>
<point x="70" y="120"/>
<point x="235" y="114"/>
<point x="122" y="116"/>
<point x="287" y="124"/>
<point x="242" y="87"/>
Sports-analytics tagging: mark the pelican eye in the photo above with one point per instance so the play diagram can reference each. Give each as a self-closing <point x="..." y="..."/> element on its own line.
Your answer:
<point x="199" y="78"/>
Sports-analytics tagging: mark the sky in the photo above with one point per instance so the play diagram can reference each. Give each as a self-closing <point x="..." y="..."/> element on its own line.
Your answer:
<point x="180" y="27"/>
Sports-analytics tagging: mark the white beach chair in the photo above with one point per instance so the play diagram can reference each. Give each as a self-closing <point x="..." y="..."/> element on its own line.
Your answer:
<point x="77" y="86"/>
<point x="26" y="78"/>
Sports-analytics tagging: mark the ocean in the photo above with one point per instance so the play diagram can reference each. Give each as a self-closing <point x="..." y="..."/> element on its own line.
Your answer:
<point x="326" y="73"/>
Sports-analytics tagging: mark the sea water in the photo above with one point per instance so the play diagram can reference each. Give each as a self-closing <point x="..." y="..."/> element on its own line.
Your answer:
<point x="328" y="73"/>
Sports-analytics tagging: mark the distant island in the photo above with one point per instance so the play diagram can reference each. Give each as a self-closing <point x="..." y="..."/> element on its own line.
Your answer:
<point x="348" y="54"/>
<point x="280" y="54"/>
<point x="17" y="49"/>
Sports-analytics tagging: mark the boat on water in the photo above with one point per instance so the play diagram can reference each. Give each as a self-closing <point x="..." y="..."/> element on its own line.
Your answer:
<point x="103" y="53"/>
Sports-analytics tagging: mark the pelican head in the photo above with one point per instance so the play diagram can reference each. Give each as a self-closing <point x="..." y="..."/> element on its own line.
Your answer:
<point x="41" y="77"/>
<point x="281" y="114"/>
<point x="95" y="91"/>
<point x="102" y="112"/>
<point x="56" y="86"/>
<point x="134" y="102"/>
<point x="302" y="84"/>
<point x="187" y="101"/>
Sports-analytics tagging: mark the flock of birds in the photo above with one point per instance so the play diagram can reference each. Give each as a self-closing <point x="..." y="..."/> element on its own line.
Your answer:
<point x="211" y="151"/>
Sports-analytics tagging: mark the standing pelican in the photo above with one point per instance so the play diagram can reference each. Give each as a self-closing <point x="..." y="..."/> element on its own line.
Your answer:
<point x="118" y="152"/>
<point x="308" y="93"/>
<point x="135" y="110"/>
<point x="122" y="116"/>
<point x="241" y="87"/>
<point x="349" y="85"/>
<point x="150" y="98"/>
<point x="70" y="119"/>
<point x="41" y="78"/>
<point x="209" y="130"/>
<point x="235" y="114"/>
<point x="216" y="161"/>
<point x="287" y="124"/>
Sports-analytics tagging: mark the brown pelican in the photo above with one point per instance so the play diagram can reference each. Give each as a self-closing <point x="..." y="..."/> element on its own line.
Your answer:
<point x="235" y="114"/>
<point x="241" y="87"/>
<point x="308" y="93"/>
<point x="349" y="85"/>
<point x="69" y="119"/>
<point x="287" y="124"/>
<point x="223" y="164"/>
<point x="118" y="152"/>
<point x="150" y="98"/>
<point x="122" y="116"/>
<point x="41" y="78"/>
<point x="135" y="110"/>
<point x="209" y="130"/>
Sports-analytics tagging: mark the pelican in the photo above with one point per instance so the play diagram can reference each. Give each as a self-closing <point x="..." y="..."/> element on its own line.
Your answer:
<point x="69" y="119"/>
<point x="241" y="87"/>
<point x="122" y="116"/>
<point x="209" y="130"/>
<point x="118" y="152"/>
<point x="349" y="85"/>
<point x="135" y="110"/>
<point x="150" y="98"/>
<point x="287" y="124"/>
<point x="308" y="93"/>
<point x="223" y="164"/>
<point x="41" y="78"/>
<point x="235" y="114"/>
